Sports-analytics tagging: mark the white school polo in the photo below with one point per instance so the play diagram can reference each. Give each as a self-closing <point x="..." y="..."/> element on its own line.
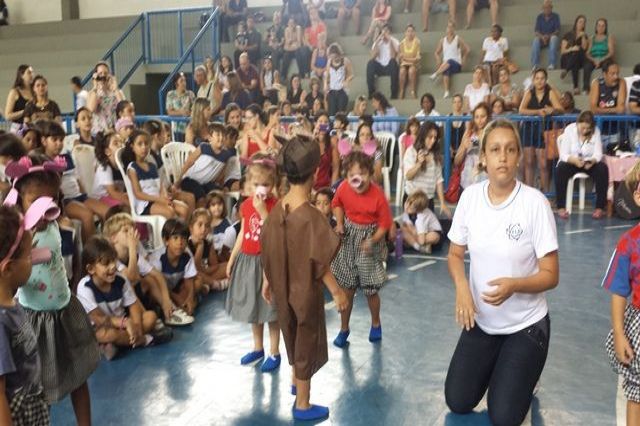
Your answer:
<point x="504" y="240"/>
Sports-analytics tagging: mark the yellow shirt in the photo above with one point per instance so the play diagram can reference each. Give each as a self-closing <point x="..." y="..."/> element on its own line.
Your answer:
<point x="409" y="50"/>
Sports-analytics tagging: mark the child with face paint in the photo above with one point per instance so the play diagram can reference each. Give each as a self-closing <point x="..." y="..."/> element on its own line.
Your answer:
<point x="363" y="218"/>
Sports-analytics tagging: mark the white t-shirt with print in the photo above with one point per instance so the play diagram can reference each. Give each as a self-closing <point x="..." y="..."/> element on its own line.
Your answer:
<point x="426" y="221"/>
<point x="504" y="240"/>
<point x="494" y="49"/>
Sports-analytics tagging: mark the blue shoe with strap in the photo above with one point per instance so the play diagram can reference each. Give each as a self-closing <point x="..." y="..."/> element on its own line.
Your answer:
<point x="375" y="334"/>
<point x="270" y="364"/>
<point x="252" y="357"/>
<point x="341" y="339"/>
<point x="315" y="412"/>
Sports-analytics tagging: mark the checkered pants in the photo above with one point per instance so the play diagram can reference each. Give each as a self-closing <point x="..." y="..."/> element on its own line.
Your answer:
<point x="630" y="373"/>
<point x="355" y="269"/>
<point x="29" y="410"/>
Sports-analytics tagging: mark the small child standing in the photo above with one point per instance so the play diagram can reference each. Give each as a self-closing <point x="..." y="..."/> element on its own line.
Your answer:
<point x="63" y="331"/>
<point x="223" y="233"/>
<point x="623" y="342"/>
<point x="118" y="317"/>
<point x="177" y="265"/>
<point x="296" y="268"/>
<point x="22" y="402"/>
<point x="322" y="201"/>
<point x="212" y="274"/>
<point x="244" y="302"/>
<point x="363" y="218"/>
<point x="421" y="229"/>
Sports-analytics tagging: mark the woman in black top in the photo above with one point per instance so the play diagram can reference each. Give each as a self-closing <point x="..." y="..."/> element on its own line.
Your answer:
<point x="236" y="94"/>
<point x="41" y="107"/>
<point x="296" y="94"/>
<point x="18" y="97"/>
<point x="572" y="51"/>
<point x="540" y="100"/>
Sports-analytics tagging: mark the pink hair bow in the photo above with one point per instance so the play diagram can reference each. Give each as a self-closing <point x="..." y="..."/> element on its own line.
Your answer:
<point x="345" y="147"/>
<point x="268" y="162"/>
<point x="24" y="166"/>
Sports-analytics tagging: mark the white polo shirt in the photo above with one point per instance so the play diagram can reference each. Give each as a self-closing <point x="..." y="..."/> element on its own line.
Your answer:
<point x="494" y="49"/>
<point x="504" y="240"/>
<point x="384" y="50"/>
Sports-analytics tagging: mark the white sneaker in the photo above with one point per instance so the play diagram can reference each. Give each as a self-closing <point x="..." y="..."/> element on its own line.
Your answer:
<point x="179" y="318"/>
<point x="433" y="76"/>
<point x="446" y="94"/>
<point x="426" y="249"/>
<point x="551" y="67"/>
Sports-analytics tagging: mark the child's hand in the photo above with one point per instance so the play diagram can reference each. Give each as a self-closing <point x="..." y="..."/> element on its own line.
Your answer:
<point x="229" y="267"/>
<point x="190" y="305"/>
<point x="444" y="209"/>
<point x="266" y="291"/>
<point x="367" y="246"/>
<point x="339" y="229"/>
<point x="624" y="352"/>
<point x="131" y="331"/>
<point x="132" y="239"/>
<point x="340" y="299"/>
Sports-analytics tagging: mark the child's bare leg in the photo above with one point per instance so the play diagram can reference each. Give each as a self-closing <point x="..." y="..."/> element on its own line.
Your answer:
<point x="345" y="315"/>
<point x="81" y="402"/>
<point x="258" y="338"/>
<point x="188" y="198"/>
<point x="633" y="413"/>
<point x="78" y="211"/>
<point x="162" y="210"/>
<point x="374" y="308"/>
<point x="159" y="293"/>
<point x="431" y="238"/>
<point x="274" y="337"/>
<point x="113" y="335"/>
<point x="96" y="206"/>
<point x="181" y="209"/>
<point x="148" y="321"/>
<point x="303" y="394"/>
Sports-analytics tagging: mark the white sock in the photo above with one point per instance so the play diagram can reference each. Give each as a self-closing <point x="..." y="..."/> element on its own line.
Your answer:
<point x="416" y="246"/>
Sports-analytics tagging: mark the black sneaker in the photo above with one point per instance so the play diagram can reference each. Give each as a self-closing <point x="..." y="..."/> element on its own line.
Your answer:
<point x="162" y="335"/>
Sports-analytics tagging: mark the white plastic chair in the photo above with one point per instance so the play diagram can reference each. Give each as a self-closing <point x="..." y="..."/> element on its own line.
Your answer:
<point x="84" y="158"/>
<point x="583" y="189"/>
<point x="399" y="185"/>
<point x="155" y="221"/>
<point x="387" y="141"/>
<point x="174" y="155"/>
<point x="67" y="143"/>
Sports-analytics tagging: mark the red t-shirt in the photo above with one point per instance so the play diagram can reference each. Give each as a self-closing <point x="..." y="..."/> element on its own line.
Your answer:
<point x="314" y="32"/>
<point x="364" y="209"/>
<point x="253" y="225"/>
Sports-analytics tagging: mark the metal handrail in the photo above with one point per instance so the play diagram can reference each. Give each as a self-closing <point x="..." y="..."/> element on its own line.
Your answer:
<point x="189" y="52"/>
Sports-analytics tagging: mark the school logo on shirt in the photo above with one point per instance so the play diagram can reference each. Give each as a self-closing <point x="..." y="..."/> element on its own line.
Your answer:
<point x="514" y="231"/>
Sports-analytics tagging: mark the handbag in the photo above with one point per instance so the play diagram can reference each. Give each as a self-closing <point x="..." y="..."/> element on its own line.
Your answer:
<point x="452" y="195"/>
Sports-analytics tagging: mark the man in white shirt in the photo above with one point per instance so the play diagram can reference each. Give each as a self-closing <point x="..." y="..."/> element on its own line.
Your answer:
<point x="383" y="61"/>
<point x="630" y="80"/>
<point x="81" y="95"/>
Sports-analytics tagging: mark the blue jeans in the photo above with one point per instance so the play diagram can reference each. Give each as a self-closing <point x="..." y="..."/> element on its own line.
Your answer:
<point x="554" y="44"/>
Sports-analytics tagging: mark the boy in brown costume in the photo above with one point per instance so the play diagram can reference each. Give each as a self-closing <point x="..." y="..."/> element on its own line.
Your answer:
<point x="298" y="246"/>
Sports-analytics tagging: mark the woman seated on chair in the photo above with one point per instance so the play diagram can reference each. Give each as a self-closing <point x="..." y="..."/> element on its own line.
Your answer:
<point x="580" y="149"/>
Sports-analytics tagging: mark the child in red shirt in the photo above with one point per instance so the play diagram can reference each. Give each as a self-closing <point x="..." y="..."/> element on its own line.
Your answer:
<point x="244" y="300"/>
<point x="363" y="217"/>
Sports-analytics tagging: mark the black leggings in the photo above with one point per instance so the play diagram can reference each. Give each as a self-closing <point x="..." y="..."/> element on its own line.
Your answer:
<point x="572" y="62"/>
<point x="598" y="172"/>
<point x="509" y="366"/>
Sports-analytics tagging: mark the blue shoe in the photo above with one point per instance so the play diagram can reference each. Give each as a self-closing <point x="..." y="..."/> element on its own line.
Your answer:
<point x="294" y="390"/>
<point x="375" y="334"/>
<point x="315" y="412"/>
<point x="341" y="339"/>
<point x="251" y="357"/>
<point x="270" y="364"/>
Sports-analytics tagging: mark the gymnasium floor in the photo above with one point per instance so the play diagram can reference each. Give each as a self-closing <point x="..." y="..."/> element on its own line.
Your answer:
<point x="197" y="379"/>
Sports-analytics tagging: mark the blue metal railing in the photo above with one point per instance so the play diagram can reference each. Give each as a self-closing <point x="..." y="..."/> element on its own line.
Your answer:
<point x="204" y="44"/>
<point x="158" y="37"/>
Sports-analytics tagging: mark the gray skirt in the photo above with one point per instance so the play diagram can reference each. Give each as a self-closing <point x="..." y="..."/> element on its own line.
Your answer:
<point x="244" y="296"/>
<point x="67" y="346"/>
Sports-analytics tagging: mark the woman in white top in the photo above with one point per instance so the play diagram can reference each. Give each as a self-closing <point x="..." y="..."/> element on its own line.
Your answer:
<point x="477" y="91"/>
<point x="451" y="55"/>
<point x="580" y="149"/>
<point x="510" y="233"/>
<point x="337" y="77"/>
<point x="494" y="52"/>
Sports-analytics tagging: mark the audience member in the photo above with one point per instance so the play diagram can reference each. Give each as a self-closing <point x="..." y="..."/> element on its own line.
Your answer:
<point x="359" y="109"/>
<point x="313" y="36"/>
<point x="507" y="91"/>
<point x="296" y="95"/>
<point x="630" y="85"/>
<point x="634" y="92"/>
<point x="293" y="49"/>
<point x="315" y="95"/>
<point x="427" y="106"/>
<point x="84" y="120"/>
<point x="319" y="59"/>
<point x="380" y="15"/>
<point x="607" y="97"/>
<point x="197" y="131"/>
<point x="383" y="61"/>
<point x="207" y="88"/>
<point x="295" y="9"/>
<point x="240" y="42"/>
<point x="601" y="48"/>
<point x="581" y="152"/>
<point x="179" y="104"/>
<point x="436" y="6"/>
<point x="337" y="77"/>
<point x="568" y="103"/>
<point x="103" y="98"/>
<point x="468" y="154"/>
<point x="235" y="12"/>
<point x="4" y="13"/>
<point x="477" y="91"/>
<point x="382" y="108"/>
<point x="546" y="35"/>
<point x="41" y="107"/>
<point x="269" y="81"/>
<point x="349" y="9"/>
<point x="224" y="67"/>
<point x="494" y="53"/>
<point x="249" y="77"/>
<point x="475" y="5"/>
<point x="451" y="55"/>
<point x="274" y="40"/>
<point x="18" y="97"/>
<point x="572" y="51"/>
<point x="79" y="93"/>
<point x="409" y="58"/>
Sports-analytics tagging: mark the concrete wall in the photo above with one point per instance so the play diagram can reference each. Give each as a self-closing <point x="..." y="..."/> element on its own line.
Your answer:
<point x="31" y="11"/>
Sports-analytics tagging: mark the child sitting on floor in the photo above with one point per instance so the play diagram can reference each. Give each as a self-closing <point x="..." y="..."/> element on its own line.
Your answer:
<point x="322" y="201"/>
<point x="212" y="274"/>
<point x="118" y="317"/>
<point x="149" y="283"/>
<point x="177" y="265"/>
<point x="421" y="229"/>
<point x="223" y="233"/>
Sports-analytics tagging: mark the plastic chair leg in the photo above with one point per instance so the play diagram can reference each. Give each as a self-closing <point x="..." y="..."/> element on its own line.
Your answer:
<point x="583" y="190"/>
<point x="569" y="202"/>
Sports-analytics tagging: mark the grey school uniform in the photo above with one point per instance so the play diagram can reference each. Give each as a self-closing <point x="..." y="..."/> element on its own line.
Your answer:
<point x="20" y="367"/>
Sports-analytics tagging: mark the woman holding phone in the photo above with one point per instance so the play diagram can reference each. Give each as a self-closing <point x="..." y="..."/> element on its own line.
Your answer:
<point x="103" y="98"/>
